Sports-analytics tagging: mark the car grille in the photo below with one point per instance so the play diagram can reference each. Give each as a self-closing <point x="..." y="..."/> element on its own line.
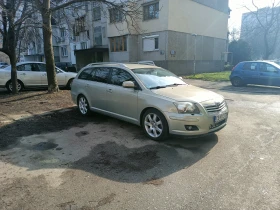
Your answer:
<point x="216" y="108"/>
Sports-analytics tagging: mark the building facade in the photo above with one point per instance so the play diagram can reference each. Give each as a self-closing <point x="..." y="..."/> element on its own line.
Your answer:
<point x="184" y="36"/>
<point x="259" y="27"/>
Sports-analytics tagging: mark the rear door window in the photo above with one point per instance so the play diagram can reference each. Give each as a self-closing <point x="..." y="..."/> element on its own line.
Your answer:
<point x="101" y="74"/>
<point x="250" y="66"/>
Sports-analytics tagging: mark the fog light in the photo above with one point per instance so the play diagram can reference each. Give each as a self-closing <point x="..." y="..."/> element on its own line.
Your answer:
<point x="191" y="128"/>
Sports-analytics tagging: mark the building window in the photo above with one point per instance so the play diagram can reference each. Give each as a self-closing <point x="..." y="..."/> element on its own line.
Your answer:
<point x="62" y="32"/>
<point x="104" y="32"/>
<point x="98" y="35"/>
<point x="151" y="11"/>
<point x="96" y="13"/>
<point x="115" y="15"/>
<point x="118" y="44"/>
<point x="64" y="51"/>
<point x="84" y="45"/>
<point x="79" y="25"/>
<point x="150" y="43"/>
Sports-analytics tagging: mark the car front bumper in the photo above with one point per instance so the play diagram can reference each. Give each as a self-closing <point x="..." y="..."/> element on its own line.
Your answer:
<point x="202" y="124"/>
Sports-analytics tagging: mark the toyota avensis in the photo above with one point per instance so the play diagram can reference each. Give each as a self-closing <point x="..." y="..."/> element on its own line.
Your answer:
<point x="148" y="96"/>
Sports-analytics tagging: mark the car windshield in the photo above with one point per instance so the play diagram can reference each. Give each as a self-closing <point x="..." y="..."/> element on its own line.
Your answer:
<point x="155" y="78"/>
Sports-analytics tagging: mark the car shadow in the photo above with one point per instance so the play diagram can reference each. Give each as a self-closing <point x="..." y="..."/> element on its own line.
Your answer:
<point x="147" y="162"/>
<point x="252" y="89"/>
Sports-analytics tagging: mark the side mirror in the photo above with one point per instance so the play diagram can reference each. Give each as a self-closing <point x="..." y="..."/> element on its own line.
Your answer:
<point x="128" y="84"/>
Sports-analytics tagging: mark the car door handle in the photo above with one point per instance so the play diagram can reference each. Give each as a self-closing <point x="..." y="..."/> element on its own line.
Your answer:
<point x="44" y="75"/>
<point x="23" y="74"/>
<point x="110" y="91"/>
<point x="87" y="85"/>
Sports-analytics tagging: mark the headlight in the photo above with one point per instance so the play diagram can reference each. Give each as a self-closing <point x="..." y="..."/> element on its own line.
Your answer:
<point x="187" y="108"/>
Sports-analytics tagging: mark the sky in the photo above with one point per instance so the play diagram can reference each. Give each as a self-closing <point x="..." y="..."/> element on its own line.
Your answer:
<point x="238" y="8"/>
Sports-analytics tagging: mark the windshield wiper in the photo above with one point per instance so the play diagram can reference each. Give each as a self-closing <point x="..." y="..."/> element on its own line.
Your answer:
<point x="157" y="87"/>
<point x="175" y="84"/>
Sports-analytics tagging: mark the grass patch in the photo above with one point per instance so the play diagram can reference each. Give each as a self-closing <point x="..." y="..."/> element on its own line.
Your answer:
<point x="216" y="77"/>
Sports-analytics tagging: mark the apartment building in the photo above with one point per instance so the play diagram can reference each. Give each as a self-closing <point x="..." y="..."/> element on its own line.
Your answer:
<point x="259" y="27"/>
<point x="175" y="34"/>
<point x="184" y="36"/>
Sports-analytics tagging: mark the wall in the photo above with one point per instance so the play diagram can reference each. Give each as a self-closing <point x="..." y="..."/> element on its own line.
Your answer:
<point x="220" y="5"/>
<point x="148" y="26"/>
<point x="194" y="18"/>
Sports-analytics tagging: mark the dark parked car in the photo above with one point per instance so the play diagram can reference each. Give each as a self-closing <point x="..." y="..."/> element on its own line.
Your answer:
<point x="66" y="66"/>
<point x="255" y="72"/>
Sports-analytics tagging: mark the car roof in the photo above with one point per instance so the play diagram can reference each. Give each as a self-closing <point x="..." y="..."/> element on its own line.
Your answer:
<point x="140" y="66"/>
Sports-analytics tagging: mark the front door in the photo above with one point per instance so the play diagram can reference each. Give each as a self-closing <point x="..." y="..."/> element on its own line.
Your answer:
<point x="269" y="75"/>
<point x="122" y="101"/>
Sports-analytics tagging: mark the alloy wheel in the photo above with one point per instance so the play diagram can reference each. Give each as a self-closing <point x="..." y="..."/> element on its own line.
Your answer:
<point x="83" y="105"/>
<point x="153" y="125"/>
<point x="18" y="86"/>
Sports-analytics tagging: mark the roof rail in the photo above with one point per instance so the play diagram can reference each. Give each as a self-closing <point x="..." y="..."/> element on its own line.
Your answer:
<point x="151" y="63"/>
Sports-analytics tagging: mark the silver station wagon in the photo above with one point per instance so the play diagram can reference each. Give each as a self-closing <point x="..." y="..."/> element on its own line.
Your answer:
<point x="148" y="96"/>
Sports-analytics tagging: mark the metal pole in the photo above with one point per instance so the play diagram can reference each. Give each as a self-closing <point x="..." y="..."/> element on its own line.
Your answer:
<point x="194" y="60"/>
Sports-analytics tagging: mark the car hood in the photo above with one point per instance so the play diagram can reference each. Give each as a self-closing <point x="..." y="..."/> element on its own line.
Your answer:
<point x="188" y="93"/>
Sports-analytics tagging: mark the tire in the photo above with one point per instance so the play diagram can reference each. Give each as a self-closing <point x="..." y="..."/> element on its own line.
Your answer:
<point x="69" y="84"/>
<point x="237" y="82"/>
<point x="83" y="106"/>
<point x="9" y="86"/>
<point x="155" y="125"/>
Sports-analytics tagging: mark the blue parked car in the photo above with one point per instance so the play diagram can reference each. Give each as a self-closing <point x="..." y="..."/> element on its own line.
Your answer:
<point x="255" y="72"/>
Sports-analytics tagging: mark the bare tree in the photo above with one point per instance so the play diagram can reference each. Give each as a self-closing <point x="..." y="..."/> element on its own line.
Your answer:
<point x="129" y="8"/>
<point x="261" y="28"/>
<point x="13" y="13"/>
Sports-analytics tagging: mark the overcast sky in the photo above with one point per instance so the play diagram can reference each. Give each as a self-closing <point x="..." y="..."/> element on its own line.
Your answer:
<point x="237" y="7"/>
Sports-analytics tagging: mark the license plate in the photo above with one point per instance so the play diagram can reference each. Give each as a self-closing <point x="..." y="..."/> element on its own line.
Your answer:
<point x="220" y="117"/>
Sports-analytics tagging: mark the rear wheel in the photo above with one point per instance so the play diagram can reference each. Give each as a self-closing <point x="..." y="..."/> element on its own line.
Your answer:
<point x="155" y="125"/>
<point x="10" y="86"/>
<point x="83" y="105"/>
<point x="237" y="82"/>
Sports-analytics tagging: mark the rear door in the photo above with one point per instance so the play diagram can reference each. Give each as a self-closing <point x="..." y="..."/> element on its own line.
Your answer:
<point x="250" y="73"/>
<point x="269" y="75"/>
<point x="97" y="88"/>
<point x="29" y="74"/>
<point x="122" y="101"/>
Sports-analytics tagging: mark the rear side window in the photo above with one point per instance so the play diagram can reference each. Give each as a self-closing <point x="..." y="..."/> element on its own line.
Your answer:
<point x="86" y="74"/>
<point x="101" y="74"/>
<point x="250" y="66"/>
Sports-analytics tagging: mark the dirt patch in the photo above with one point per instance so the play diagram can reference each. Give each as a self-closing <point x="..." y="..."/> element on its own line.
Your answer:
<point x="34" y="102"/>
<point x="155" y="182"/>
<point x="108" y="199"/>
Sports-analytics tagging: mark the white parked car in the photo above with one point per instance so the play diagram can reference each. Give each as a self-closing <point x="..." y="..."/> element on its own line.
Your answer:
<point x="33" y="74"/>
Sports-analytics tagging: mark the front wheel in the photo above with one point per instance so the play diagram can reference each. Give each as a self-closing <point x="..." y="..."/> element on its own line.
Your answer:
<point x="83" y="105"/>
<point x="10" y="86"/>
<point x="155" y="125"/>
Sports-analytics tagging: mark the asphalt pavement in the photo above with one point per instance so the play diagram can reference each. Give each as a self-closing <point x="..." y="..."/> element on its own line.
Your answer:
<point x="109" y="164"/>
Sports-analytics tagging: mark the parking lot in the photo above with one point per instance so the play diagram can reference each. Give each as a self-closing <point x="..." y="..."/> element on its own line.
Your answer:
<point x="61" y="160"/>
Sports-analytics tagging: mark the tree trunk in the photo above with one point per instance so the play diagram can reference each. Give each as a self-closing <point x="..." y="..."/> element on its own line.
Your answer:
<point x="13" y="61"/>
<point x="48" y="49"/>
